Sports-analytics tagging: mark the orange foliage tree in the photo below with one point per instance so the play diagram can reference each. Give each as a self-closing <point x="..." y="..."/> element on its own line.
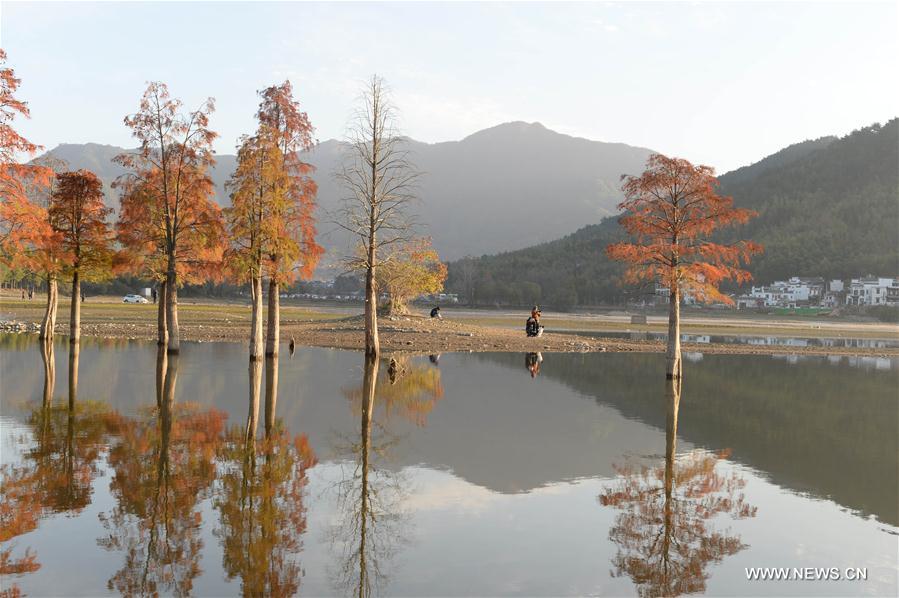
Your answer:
<point x="292" y="249"/>
<point x="26" y="238"/>
<point x="78" y="215"/>
<point x="259" y="186"/>
<point x="168" y="220"/>
<point x="672" y="209"/>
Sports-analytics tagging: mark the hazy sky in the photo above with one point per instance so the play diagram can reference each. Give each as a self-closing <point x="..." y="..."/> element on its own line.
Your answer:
<point x="720" y="83"/>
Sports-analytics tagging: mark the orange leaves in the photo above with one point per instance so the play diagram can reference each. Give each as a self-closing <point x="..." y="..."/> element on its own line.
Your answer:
<point x="168" y="221"/>
<point x="671" y="210"/>
<point x="77" y="213"/>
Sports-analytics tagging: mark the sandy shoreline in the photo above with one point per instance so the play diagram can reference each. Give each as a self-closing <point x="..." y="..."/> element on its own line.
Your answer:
<point x="462" y="330"/>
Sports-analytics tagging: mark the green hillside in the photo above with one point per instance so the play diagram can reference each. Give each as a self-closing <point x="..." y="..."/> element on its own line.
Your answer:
<point x="827" y="207"/>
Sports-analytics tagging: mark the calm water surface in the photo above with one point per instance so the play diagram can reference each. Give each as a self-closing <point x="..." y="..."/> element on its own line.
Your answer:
<point x="467" y="474"/>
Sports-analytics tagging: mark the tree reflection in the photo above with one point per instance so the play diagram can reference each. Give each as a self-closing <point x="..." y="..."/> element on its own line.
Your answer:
<point x="370" y="520"/>
<point x="664" y="534"/>
<point x="259" y="497"/>
<point x="57" y="470"/>
<point x="163" y="464"/>
<point x="411" y="391"/>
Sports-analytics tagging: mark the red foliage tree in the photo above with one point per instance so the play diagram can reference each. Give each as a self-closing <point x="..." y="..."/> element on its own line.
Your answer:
<point x="168" y="219"/>
<point x="78" y="215"/>
<point x="26" y="238"/>
<point x="672" y="209"/>
<point x="292" y="250"/>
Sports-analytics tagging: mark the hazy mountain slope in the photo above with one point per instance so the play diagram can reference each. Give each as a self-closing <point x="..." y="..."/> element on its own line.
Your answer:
<point x="502" y="188"/>
<point x="826" y="208"/>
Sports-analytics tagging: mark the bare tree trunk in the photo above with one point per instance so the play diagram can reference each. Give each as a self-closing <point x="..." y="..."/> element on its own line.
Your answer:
<point x="672" y="355"/>
<point x="75" y="313"/>
<point x="369" y="383"/>
<point x="255" y="375"/>
<point x="74" y="351"/>
<point x="271" y="393"/>
<point x="273" y="338"/>
<point x="49" y="370"/>
<point x="161" y="368"/>
<point x="256" y="319"/>
<point x="162" y="329"/>
<point x="171" y="308"/>
<point x="48" y="325"/>
<point x="372" y="342"/>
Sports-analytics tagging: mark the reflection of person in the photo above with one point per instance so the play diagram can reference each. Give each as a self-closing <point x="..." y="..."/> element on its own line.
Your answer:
<point x="532" y="362"/>
<point x="435" y="359"/>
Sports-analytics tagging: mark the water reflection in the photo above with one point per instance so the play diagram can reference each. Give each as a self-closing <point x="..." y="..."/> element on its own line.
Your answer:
<point x="260" y="499"/>
<point x="665" y="534"/>
<point x="533" y="361"/>
<point x="56" y="473"/>
<point x="163" y="465"/>
<point x="371" y="523"/>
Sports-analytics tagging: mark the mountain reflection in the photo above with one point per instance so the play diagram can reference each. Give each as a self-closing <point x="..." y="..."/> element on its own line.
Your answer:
<point x="664" y="533"/>
<point x="163" y="465"/>
<point x="259" y="497"/>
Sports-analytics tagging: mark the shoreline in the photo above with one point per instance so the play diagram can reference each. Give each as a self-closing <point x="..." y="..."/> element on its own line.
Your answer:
<point x="457" y="332"/>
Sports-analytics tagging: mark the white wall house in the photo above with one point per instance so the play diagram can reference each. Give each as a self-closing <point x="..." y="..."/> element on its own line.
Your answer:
<point x="873" y="290"/>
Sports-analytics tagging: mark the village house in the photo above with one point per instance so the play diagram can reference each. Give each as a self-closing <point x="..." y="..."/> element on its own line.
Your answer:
<point x="873" y="290"/>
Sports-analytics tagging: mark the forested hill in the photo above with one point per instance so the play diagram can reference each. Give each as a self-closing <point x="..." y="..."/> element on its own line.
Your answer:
<point x="828" y="207"/>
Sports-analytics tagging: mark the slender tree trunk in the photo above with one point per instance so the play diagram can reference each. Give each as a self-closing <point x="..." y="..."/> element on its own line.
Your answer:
<point x="162" y="330"/>
<point x="271" y="393"/>
<point x="171" y="308"/>
<point x="673" y="358"/>
<point x="256" y="319"/>
<point x="372" y="342"/>
<point x="255" y="375"/>
<point x="48" y="325"/>
<point x="74" y="351"/>
<point x="49" y="370"/>
<point x="75" y="313"/>
<point x="368" y="399"/>
<point x="273" y="338"/>
<point x="161" y="367"/>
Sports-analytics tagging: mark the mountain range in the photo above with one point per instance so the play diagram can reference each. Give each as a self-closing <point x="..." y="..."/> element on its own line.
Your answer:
<point x="827" y="207"/>
<point x="502" y="188"/>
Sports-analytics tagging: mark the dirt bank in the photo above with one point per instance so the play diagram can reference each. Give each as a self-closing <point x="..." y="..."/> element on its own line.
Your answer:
<point x="313" y="327"/>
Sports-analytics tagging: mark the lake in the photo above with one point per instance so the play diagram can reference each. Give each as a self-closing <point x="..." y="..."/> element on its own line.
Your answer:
<point x="460" y="474"/>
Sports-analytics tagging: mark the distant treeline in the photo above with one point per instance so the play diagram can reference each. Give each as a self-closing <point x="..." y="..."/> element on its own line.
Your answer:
<point x="828" y="207"/>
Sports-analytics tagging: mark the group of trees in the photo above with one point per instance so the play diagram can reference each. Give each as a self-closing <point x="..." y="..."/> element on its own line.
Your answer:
<point x="169" y="229"/>
<point x="171" y="232"/>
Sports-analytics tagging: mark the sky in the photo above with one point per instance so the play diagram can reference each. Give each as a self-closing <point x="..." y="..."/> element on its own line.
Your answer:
<point x="722" y="84"/>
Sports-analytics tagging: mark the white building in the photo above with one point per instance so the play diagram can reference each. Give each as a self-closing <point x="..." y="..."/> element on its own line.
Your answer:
<point x="873" y="290"/>
<point x="790" y="293"/>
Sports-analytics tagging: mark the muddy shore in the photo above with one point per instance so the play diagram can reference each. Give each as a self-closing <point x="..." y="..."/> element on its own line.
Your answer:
<point x="414" y="333"/>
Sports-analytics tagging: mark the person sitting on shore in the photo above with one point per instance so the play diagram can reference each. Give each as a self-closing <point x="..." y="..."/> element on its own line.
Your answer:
<point x="533" y="328"/>
<point x="435" y="313"/>
<point x="536" y="313"/>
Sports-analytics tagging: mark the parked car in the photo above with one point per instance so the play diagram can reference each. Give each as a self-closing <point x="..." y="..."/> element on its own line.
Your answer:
<point x="134" y="299"/>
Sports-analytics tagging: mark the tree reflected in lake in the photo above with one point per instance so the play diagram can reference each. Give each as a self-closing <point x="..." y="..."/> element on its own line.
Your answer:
<point x="163" y="465"/>
<point x="260" y="500"/>
<point x="665" y="534"/>
<point x="57" y="468"/>
<point x="371" y="523"/>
